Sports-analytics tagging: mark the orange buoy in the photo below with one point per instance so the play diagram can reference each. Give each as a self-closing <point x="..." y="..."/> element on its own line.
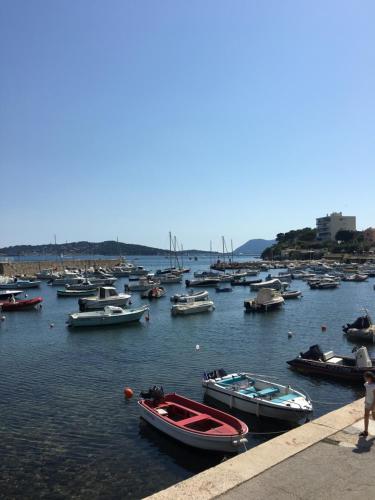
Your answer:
<point x="324" y="328"/>
<point x="128" y="393"/>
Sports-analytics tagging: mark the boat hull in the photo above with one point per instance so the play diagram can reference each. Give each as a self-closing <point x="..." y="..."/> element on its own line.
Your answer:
<point x="228" y="440"/>
<point x="22" y="285"/>
<point x="105" y="320"/>
<point x="20" y="305"/>
<point x="199" y="307"/>
<point x="326" y="370"/>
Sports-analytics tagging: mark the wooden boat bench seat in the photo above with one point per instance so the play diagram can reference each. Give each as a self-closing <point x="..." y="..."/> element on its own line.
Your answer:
<point x="194" y="419"/>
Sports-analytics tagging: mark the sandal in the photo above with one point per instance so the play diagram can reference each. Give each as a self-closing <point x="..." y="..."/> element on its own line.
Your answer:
<point x="364" y="434"/>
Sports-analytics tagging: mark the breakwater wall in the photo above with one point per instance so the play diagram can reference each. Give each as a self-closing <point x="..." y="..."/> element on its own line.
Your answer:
<point x="30" y="268"/>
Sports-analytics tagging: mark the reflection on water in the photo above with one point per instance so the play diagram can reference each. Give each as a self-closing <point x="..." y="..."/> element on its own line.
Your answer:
<point x="65" y="428"/>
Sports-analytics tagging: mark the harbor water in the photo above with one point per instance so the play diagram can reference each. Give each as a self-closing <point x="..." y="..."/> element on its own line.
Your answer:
<point x="66" y="429"/>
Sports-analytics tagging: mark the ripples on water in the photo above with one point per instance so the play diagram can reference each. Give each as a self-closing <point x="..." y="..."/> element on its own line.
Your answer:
<point x="65" y="428"/>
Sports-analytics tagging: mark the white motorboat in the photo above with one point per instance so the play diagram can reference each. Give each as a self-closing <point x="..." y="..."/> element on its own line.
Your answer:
<point x="141" y="285"/>
<point x="47" y="274"/>
<point x="192" y="307"/>
<point x="256" y="396"/>
<point x="139" y="271"/>
<point x="109" y="281"/>
<point x="8" y="294"/>
<point x="274" y="283"/>
<point x="324" y="284"/>
<point x="165" y="279"/>
<point x="106" y="296"/>
<point x="111" y="315"/>
<point x="195" y="296"/>
<point x="66" y="278"/>
<point x="266" y="300"/>
<point x="85" y="285"/>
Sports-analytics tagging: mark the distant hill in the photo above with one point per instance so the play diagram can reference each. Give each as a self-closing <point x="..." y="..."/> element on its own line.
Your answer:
<point x="83" y="248"/>
<point x="254" y="247"/>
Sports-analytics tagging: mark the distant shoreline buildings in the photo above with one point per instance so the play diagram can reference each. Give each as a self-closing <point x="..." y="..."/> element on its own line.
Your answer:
<point x="328" y="226"/>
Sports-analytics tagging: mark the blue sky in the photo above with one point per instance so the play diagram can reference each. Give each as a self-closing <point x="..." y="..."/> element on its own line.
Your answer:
<point x="207" y="118"/>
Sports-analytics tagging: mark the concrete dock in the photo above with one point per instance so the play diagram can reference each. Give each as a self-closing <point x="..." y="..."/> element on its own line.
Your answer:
<point x="325" y="458"/>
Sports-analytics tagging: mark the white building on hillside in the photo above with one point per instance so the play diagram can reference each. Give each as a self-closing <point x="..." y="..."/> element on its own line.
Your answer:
<point x="328" y="226"/>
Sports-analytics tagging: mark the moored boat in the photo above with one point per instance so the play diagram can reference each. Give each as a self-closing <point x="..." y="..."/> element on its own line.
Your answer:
<point x="76" y="293"/>
<point x="202" y="282"/>
<point x="7" y="294"/>
<point x="266" y="300"/>
<point x="111" y="315"/>
<point x="262" y="398"/>
<point x="154" y="293"/>
<point x="142" y="285"/>
<point x="361" y="330"/>
<point x="291" y="294"/>
<point x="274" y="283"/>
<point x="192" y="423"/>
<point x="356" y="277"/>
<point x="193" y="307"/>
<point x="18" y="305"/>
<point x="191" y="296"/>
<point x="20" y="284"/>
<point x="106" y="296"/>
<point x="329" y="365"/>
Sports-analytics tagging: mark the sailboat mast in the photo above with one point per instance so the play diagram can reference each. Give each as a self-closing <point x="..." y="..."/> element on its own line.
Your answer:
<point x="177" y="263"/>
<point x="170" y="250"/>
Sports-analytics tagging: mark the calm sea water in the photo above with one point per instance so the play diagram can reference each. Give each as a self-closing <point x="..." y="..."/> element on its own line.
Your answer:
<point x="65" y="428"/>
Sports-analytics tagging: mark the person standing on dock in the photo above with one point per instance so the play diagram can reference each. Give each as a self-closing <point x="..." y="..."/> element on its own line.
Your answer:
<point x="369" y="400"/>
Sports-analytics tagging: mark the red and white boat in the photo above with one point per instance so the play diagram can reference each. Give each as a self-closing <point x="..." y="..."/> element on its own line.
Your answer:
<point x="193" y="423"/>
<point x="17" y="305"/>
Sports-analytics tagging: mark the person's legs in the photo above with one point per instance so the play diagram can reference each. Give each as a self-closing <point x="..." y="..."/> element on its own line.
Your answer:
<point x="367" y="416"/>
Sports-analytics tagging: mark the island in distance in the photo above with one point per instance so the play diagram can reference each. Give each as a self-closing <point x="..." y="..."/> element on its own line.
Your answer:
<point x="254" y="247"/>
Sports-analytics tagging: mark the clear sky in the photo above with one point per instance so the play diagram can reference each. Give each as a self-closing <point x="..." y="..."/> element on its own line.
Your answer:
<point x="204" y="117"/>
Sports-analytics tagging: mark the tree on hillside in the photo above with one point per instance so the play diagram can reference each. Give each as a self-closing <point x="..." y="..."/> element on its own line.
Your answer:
<point x="347" y="235"/>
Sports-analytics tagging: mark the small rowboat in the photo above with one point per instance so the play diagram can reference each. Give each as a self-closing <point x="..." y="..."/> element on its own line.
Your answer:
<point x="18" y="305"/>
<point x="193" y="423"/>
<point x="154" y="293"/>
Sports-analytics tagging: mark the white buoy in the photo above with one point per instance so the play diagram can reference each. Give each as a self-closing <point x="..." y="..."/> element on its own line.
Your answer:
<point x="290" y="334"/>
<point x="3" y="318"/>
<point x="51" y="325"/>
<point x="197" y="347"/>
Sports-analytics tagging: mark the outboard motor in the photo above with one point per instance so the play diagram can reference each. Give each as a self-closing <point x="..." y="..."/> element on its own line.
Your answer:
<point x="155" y="393"/>
<point x="315" y="353"/>
<point x="362" y="359"/>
